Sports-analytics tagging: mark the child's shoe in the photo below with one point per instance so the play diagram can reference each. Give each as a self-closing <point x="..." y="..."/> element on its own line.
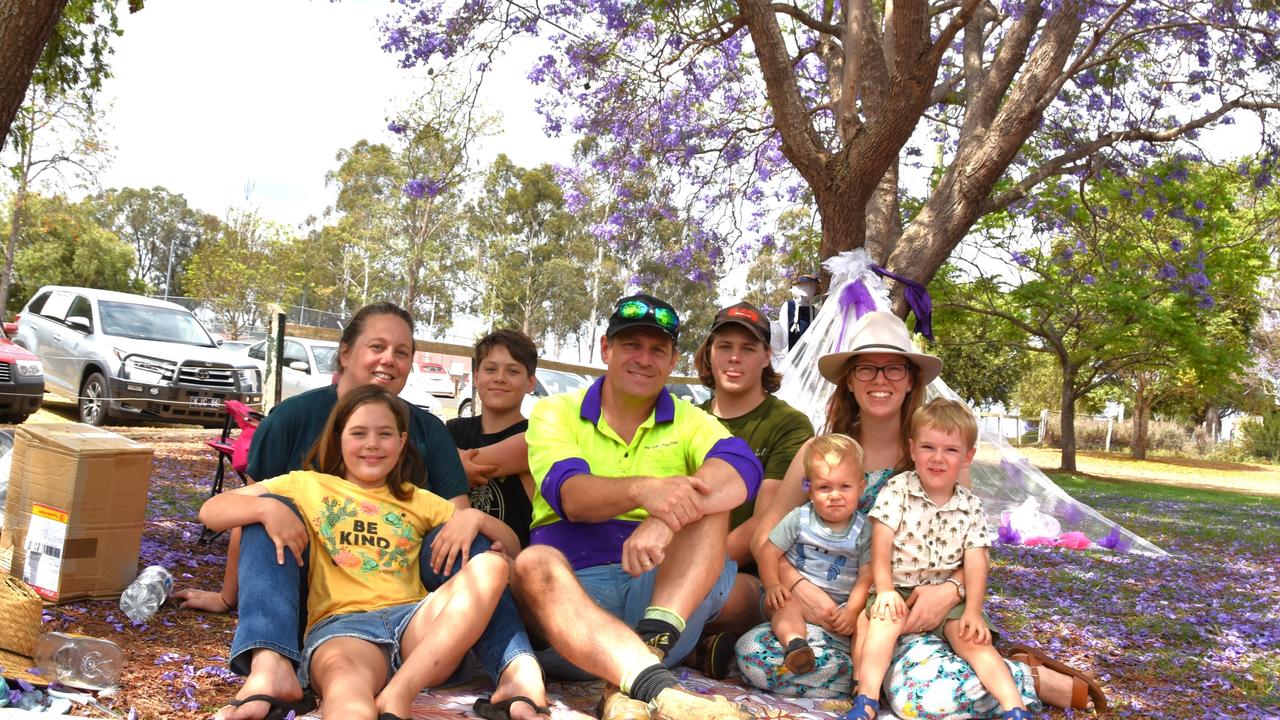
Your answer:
<point x="799" y="658"/>
<point x="861" y="705"/>
<point x="1016" y="714"/>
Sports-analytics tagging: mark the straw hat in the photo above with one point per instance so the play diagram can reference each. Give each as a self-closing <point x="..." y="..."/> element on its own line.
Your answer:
<point x="879" y="332"/>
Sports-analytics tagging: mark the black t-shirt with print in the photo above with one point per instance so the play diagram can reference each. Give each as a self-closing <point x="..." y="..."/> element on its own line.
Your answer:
<point x="503" y="498"/>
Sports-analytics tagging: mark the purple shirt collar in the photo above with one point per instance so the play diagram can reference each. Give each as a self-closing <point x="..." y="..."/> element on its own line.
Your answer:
<point x="664" y="410"/>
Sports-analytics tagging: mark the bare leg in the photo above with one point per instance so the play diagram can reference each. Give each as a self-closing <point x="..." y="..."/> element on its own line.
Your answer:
<point x="441" y="631"/>
<point x="523" y="677"/>
<point x="988" y="665"/>
<point x="225" y="599"/>
<point x="859" y="639"/>
<point x="877" y="651"/>
<point x="693" y="563"/>
<point x="1054" y="687"/>
<point x="270" y="673"/>
<point x="739" y="542"/>
<point x="569" y="619"/>
<point x="347" y="672"/>
<point x="741" y="610"/>
<point x="788" y="623"/>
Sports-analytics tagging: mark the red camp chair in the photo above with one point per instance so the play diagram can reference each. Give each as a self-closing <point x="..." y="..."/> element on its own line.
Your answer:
<point x="232" y="450"/>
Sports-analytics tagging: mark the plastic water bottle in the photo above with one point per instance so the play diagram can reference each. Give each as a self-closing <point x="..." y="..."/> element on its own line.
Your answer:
<point x="146" y="594"/>
<point x="79" y="661"/>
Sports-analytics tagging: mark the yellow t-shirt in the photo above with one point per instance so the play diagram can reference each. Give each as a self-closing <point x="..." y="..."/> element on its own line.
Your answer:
<point x="364" y="543"/>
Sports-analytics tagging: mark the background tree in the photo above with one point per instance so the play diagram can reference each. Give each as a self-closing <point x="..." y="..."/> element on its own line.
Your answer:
<point x="237" y="273"/>
<point x="530" y="252"/>
<point x="56" y="45"/>
<point x="162" y="229"/>
<point x="781" y="256"/>
<point x="1117" y="276"/>
<point x="731" y="103"/>
<point x="983" y="357"/>
<point x="61" y="244"/>
<point x="55" y="142"/>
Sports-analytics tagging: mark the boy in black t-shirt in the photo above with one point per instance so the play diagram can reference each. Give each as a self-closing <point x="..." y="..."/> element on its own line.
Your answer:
<point x="502" y="368"/>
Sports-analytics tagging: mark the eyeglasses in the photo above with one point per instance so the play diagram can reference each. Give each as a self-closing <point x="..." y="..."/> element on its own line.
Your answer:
<point x="867" y="373"/>
<point x="639" y="309"/>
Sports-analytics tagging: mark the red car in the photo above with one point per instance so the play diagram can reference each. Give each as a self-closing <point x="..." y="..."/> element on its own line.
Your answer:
<point x="21" y="380"/>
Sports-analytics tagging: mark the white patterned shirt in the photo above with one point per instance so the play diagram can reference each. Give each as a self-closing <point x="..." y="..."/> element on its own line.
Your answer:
<point x="929" y="541"/>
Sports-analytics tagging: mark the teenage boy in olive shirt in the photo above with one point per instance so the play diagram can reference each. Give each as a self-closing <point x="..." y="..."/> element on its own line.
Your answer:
<point x="734" y="363"/>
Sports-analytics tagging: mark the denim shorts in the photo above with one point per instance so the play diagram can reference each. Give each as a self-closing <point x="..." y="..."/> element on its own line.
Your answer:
<point x="383" y="628"/>
<point x="626" y="598"/>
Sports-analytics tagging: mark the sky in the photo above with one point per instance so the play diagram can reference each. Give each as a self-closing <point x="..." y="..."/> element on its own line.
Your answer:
<point x="245" y="103"/>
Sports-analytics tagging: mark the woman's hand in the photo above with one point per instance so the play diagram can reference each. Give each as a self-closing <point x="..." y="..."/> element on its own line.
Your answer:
<point x="816" y="604"/>
<point x="284" y="528"/>
<point x="454" y="540"/>
<point x="929" y="606"/>
<point x="846" y="619"/>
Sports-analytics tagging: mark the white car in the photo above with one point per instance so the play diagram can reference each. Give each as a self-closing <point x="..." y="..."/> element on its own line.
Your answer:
<point x="435" y="379"/>
<point x="311" y="364"/>
<point x="546" y="382"/>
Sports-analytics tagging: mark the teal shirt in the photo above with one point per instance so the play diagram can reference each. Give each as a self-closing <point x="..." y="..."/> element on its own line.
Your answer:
<point x="285" y="437"/>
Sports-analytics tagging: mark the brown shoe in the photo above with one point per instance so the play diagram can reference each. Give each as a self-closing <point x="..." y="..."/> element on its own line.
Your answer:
<point x="676" y="704"/>
<point x="615" y="705"/>
<point x="800" y="660"/>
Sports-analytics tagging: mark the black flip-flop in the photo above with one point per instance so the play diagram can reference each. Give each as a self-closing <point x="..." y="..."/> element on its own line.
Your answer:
<point x="501" y="710"/>
<point x="281" y="708"/>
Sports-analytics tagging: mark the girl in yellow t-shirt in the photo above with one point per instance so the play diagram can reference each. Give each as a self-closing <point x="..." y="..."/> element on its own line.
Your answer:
<point x="374" y="637"/>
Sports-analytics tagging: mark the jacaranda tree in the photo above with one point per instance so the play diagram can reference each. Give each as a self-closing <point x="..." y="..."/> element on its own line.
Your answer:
<point x="744" y="106"/>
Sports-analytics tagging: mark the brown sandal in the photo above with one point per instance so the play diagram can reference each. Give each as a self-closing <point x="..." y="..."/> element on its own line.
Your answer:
<point x="1083" y="686"/>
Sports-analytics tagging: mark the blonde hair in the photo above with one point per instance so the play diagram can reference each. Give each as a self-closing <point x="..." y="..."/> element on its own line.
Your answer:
<point x="831" y="450"/>
<point x="949" y="416"/>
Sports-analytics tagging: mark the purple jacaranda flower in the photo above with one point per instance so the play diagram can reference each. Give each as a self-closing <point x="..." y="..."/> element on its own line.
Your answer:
<point x="1088" y="279"/>
<point x="1021" y="258"/>
<point x="1175" y="245"/>
<point x="396" y="127"/>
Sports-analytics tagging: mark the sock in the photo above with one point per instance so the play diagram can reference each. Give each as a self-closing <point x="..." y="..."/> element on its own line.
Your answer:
<point x="645" y="684"/>
<point x="660" y="627"/>
<point x="797" y="644"/>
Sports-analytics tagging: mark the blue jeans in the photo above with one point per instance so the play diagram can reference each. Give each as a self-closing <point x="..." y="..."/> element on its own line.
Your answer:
<point x="273" y="605"/>
<point x="626" y="598"/>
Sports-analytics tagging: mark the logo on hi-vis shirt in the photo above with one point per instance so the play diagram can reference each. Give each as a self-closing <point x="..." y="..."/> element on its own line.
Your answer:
<point x="366" y="536"/>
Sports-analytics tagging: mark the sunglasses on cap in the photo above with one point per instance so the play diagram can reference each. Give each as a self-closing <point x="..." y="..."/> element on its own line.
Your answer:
<point x="635" y="309"/>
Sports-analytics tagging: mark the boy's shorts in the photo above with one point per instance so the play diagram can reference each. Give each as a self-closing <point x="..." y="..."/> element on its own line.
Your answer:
<point x="954" y="613"/>
<point x="383" y="628"/>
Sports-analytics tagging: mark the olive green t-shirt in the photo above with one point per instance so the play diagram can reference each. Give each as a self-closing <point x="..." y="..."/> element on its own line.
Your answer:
<point x="775" y="431"/>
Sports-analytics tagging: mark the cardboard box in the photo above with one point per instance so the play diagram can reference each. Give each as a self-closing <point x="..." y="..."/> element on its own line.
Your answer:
<point x="73" y="518"/>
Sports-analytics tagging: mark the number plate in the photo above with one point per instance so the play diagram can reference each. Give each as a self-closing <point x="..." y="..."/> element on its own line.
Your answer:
<point x="213" y="402"/>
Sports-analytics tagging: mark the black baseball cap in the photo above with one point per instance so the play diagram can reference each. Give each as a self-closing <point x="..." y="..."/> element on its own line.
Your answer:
<point x="642" y="310"/>
<point x="746" y="315"/>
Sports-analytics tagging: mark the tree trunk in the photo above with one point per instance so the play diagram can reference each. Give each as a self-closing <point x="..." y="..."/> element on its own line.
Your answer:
<point x="1141" y="412"/>
<point x="15" y="228"/>
<point x="1068" y="420"/>
<point x="1212" y="425"/>
<point x="25" y="27"/>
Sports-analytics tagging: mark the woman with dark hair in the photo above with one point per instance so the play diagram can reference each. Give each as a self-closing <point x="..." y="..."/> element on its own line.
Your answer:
<point x="879" y="383"/>
<point x="376" y="348"/>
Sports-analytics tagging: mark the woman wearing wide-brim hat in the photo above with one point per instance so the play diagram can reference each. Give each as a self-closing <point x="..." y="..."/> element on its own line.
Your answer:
<point x="877" y="384"/>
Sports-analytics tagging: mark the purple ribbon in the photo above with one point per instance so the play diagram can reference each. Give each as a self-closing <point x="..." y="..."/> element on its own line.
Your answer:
<point x="856" y="297"/>
<point x="917" y="299"/>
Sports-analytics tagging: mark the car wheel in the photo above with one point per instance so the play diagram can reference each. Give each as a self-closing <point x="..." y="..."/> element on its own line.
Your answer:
<point x="465" y="408"/>
<point x="93" y="400"/>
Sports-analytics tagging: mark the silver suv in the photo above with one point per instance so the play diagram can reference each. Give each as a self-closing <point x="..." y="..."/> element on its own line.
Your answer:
<point x="122" y="355"/>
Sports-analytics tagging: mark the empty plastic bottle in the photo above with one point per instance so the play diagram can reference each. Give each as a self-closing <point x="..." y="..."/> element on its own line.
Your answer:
<point x="146" y="594"/>
<point x="78" y="660"/>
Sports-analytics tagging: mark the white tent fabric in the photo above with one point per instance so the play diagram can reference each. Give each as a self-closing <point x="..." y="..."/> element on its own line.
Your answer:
<point x="1019" y="499"/>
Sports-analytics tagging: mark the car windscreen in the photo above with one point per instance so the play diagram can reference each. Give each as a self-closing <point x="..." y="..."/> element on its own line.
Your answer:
<point x="326" y="358"/>
<point x="558" y="382"/>
<point x="147" y="322"/>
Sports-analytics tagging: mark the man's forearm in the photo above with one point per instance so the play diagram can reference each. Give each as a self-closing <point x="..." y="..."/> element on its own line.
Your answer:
<point x="727" y="488"/>
<point x="591" y="498"/>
